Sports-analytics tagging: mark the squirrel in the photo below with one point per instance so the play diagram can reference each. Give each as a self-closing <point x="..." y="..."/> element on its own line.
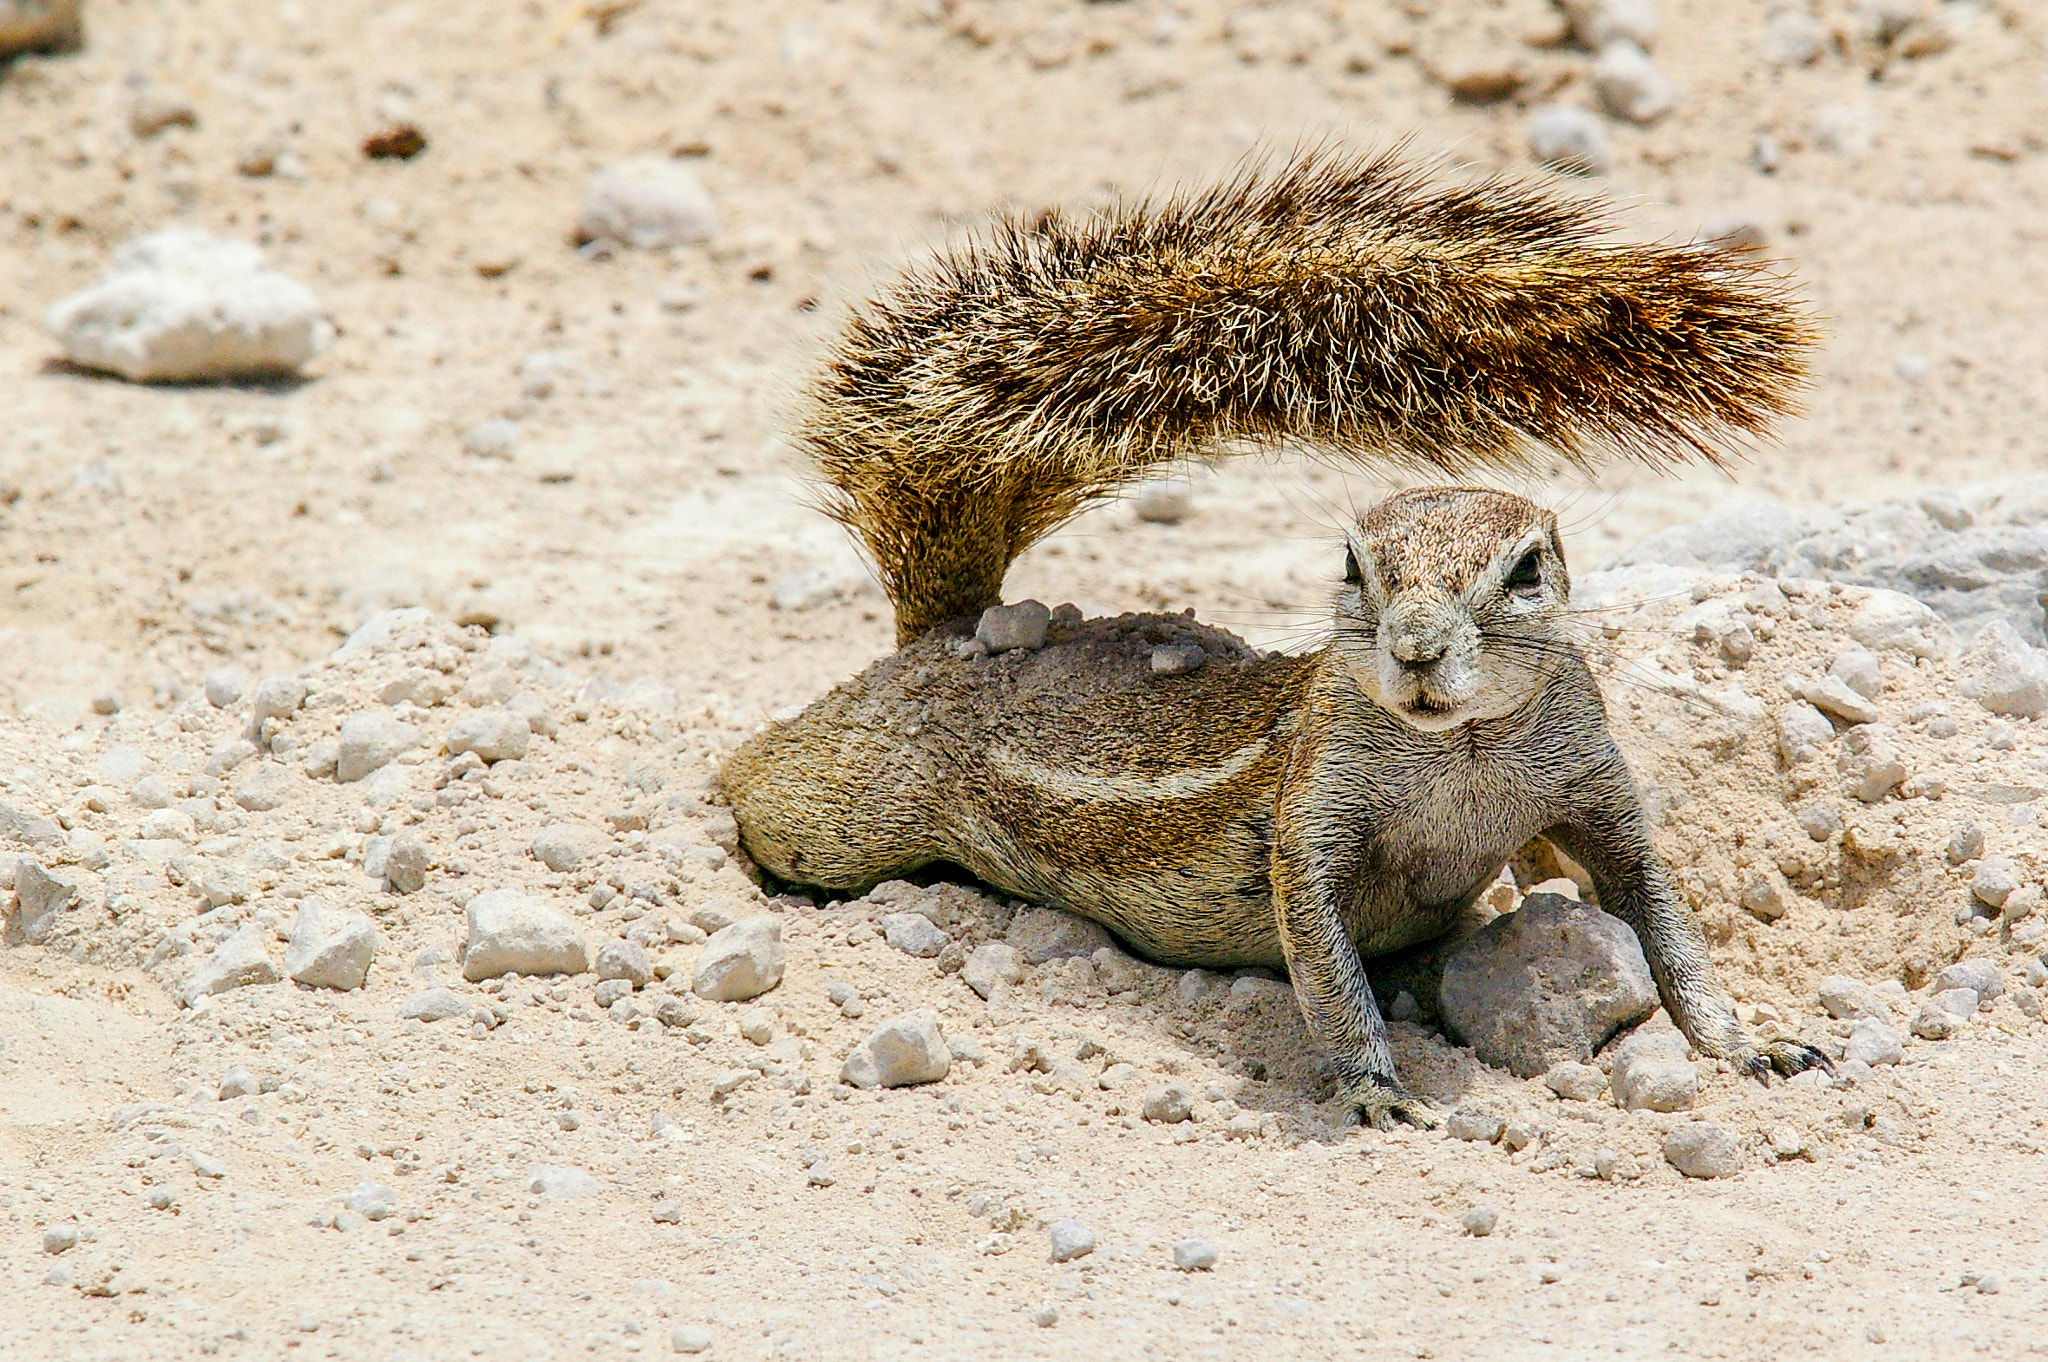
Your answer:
<point x="1211" y="805"/>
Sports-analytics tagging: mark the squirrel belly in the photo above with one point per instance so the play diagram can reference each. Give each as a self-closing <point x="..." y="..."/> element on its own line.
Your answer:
<point x="1072" y="775"/>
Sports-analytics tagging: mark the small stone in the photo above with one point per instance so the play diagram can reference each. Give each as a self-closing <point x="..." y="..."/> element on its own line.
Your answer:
<point x="1988" y="1284"/>
<point x="624" y="960"/>
<point x="1166" y="502"/>
<point x="1803" y="733"/>
<point x="1995" y="880"/>
<point x="512" y="933"/>
<point x="60" y="1238"/>
<point x="368" y="742"/>
<point x="1832" y="694"/>
<point x="1653" y="1071"/>
<point x="238" y="962"/>
<point x="904" y="1050"/>
<point x="1574" y="140"/>
<point x="1178" y="659"/>
<point x="1070" y="1240"/>
<point x="1194" y="1255"/>
<point x="152" y="108"/>
<point x="757" y="1026"/>
<point x="674" y="1013"/>
<point x="991" y="966"/>
<point x="1819" y="820"/>
<point x="1480" y="1126"/>
<point x="648" y="203"/>
<point x="330" y="947"/>
<point x="1042" y="934"/>
<point x="1847" y="999"/>
<point x="611" y="991"/>
<point x="179" y="305"/>
<point x="2023" y="902"/>
<point x="668" y="1211"/>
<point x="1701" y="1149"/>
<point x="1764" y="898"/>
<point x="1870" y="763"/>
<point x="278" y="697"/>
<point x="1792" y="37"/>
<point x="1960" y="1003"/>
<point x="405" y="864"/>
<point x="435" y="1004"/>
<point x="1045" y="1316"/>
<point x="1596" y="23"/>
<point x="1006" y="627"/>
<point x="2004" y="674"/>
<point x="43" y="895"/>
<point x="239" y="1082"/>
<point x="267" y="786"/>
<point x="493" y="734"/>
<point x="497" y="438"/>
<point x="553" y="1180"/>
<point x="913" y="934"/>
<point x="1875" y="1042"/>
<point x="1519" y="1135"/>
<point x="1575" y="1082"/>
<point x="688" y="1338"/>
<point x="1629" y="85"/>
<point x="741" y="961"/>
<point x="1170" y="1105"/>
<point x="205" y="1165"/>
<point x="1858" y="669"/>
<point x="371" y="1200"/>
<point x="1981" y="976"/>
<point x="1480" y="1220"/>
<point x="565" y="846"/>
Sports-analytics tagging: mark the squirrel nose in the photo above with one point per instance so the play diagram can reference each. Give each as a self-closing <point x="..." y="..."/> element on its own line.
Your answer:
<point x="1416" y="652"/>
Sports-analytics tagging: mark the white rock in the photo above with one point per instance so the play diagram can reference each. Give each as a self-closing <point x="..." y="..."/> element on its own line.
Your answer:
<point x="565" y="846"/>
<point x="1793" y="37"/>
<point x="1629" y="85"/>
<point x="224" y="687"/>
<point x="1850" y="999"/>
<point x="647" y="202"/>
<point x="330" y="947"/>
<point x="1803" y="732"/>
<point x="371" y="1200"/>
<point x="1832" y="694"/>
<point x="2005" y="674"/>
<point x="405" y="864"/>
<point x="439" y="1003"/>
<point x="741" y="961"/>
<point x="43" y="894"/>
<point x="1070" y="1240"/>
<point x="1653" y="1071"/>
<point x="1565" y="137"/>
<point x="1166" y="502"/>
<point x="1596" y="23"/>
<point x="809" y="588"/>
<point x="368" y="742"/>
<point x="1890" y="621"/>
<point x="1006" y="627"/>
<point x="557" y="1181"/>
<point x="237" y="962"/>
<point x="278" y="697"/>
<point x="179" y="305"/>
<point x="913" y="934"/>
<point x="624" y="960"/>
<point x="38" y="26"/>
<point x="1875" y="1042"/>
<point x="902" y="1051"/>
<point x="1995" y="880"/>
<point x="267" y="786"/>
<point x="991" y="966"/>
<point x="512" y="933"/>
<point x="239" y="1082"/>
<point x="1870" y="763"/>
<point x="1700" y="1149"/>
<point x="493" y="734"/>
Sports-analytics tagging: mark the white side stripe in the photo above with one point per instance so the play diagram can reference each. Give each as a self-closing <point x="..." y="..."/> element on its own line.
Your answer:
<point x="1084" y="788"/>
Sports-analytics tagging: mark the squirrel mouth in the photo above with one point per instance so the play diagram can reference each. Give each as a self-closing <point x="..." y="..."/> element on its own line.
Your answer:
<point x="1422" y="704"/>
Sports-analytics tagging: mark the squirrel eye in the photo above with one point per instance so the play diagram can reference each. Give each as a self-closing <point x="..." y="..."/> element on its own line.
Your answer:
<point x="1352" y="575"/>
<point x="1527" y="573"/>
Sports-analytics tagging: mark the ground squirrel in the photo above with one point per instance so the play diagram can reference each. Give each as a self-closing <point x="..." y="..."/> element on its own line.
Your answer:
<point x="1306" y="811"/>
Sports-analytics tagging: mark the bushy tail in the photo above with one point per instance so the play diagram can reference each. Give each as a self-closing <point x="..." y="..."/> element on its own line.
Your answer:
<point x="1346" y="302"/>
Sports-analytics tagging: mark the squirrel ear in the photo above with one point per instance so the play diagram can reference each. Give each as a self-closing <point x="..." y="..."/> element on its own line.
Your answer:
<point x="1352" y="576"/>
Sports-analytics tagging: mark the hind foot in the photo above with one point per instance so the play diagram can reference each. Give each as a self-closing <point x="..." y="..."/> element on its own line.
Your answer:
<point x="1782" y="1055"/>
<point x="1379" y="1102"/>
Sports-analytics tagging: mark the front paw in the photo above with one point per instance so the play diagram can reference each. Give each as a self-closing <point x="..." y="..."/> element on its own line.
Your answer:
<point x="1379" y="1102"/>
<point x="1782" y="1055"/>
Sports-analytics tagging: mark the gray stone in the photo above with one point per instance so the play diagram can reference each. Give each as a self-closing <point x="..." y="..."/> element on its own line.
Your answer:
<point x="902" y="1051"/>
<point x="1833" y="695"/>
<point x="1197" y="984"/>
<point x="39" y="26"/>
<point x="1764" y="897"/>
<point x="496" y="438"/>
<point x="1479" y="1126"/>
<point x="1070" y="1240"/>
<point x="439" y="1003"/>
<point x="330" y="947"/>
<point x="1567" y="138"/>
<point x="1165" y="502"/>
<point x="1736" y="230"/>
<point x="1042" y="934"/>
<point x="1006" y="627"/>
<point x="1701" y="1149"/>
<point x="742" y="961"/>
<point x="611" y="991"/>
<point x="1744" y="536"/>
<point x="1960" y="1003"/>
<point x="1981" y="975"/>
<point x="493" y="734"/>
<point x="624" y="960"/>
<point x="1575" y="1082"/>
<point x="1966" y="845"/>
<point x="1870" y="763"/>
<point x="1860" y="671"/>
<point x="120" y="766"/>
<point x="1935" y="1022"/>
<point x="1629" y="85"/>
<point x="1194" y="1255"/>
<point x="43" y="895"/>
<point x="1596" y="23"/>
<point x="992" y="966"/>
<point x="405" y="864"/>
<point x="1847" y="999"/>
<point x="648" y="203"/>
<point x="1178" y="659"/>
<point x="179" y="305"/>
<point x="1819" y="820"/>
<point x="1551" y="981"/>
<point x="1793" y="37"/>
<point x="1480" y="1220"/>
<point x="1170" y="1105"/>
<point x="268" y="785"/>
<point x="278" y="697"/>
<point x="2005" y="674"/>
<point x="1995" y="880"/>
<point x="1875" y="1042"/>
<point x="60" y="1238"/>
<point x="239" y="1082"/>
<point x="1653" y="1071"/>
<point x="368" y="742"/>
<point x="511" y="933"/>
<point x="565" y="846"/>
<point x="224" y="687"/>
<point x="238" y="962"/>
<point x="913" y="934"/>
<point x="554" y="1180"/>
<point x="371" y="1200"/>
<point x="688" y="1338"/>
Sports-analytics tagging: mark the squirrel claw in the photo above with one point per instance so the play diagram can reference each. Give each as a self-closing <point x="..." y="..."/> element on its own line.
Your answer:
<point x="1379" y="1103"/>
<point x="1785" y="1057"/>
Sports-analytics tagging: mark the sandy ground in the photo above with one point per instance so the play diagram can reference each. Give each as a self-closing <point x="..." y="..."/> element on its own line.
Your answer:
<point x="150" y="536"/>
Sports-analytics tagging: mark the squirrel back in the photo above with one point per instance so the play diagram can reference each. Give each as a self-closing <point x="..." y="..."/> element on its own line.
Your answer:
<point x="1346" y="302"/>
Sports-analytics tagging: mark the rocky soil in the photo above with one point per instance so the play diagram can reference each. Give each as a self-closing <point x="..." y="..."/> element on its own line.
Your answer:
<point x="328" y="699"/>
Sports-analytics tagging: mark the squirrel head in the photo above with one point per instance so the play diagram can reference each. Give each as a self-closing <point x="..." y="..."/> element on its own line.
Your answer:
<point x="1453" y="605"/>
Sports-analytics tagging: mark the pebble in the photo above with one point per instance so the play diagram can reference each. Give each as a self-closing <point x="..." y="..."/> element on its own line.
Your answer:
<point x="624" y="960"/>
<point x="239" y="1082"/>
<point x="1860" y="671"/>
<point x="1994" y="881"/>
<point x="1844" y="128"/>
<point x="740" y="961"/>
<point x="1629" y="85"/>
<point x="1178" y="659"/>
<point x="1870" y="764"/>
<point x="1480" y="1126"/>
<point x="151" y="792"/>
<point x="556" y="1180"/>
<point x="1792" y="37"/>
<point x="1875" y="1042"/>
<point x="1832" y="694"/>
<point x="1170" y="1105"/>
<point x="513" y="933"/>
<point x="439" y="1003"/>
<point x="42" y="894"/>
<point x="904" y="1050"/>
<point x="1701" y="1149"/>
<point x="565" y="846"/>
<point x="1847" y="999"/>
<point x="1764" y="898"/>
<point x="648" y="203"/>
<point x="371" y="1200"/>
<point x="224" y="687"/>
<point x="269" y="785"/>
<point x="497" y="438"/>
<point x="757" y="1026"/>
<point x="1070" y="1240"/>
<point x="1165" y="502"/>
<point x="1819" y="820"/>
<point x="205" y="1165"/>
<point x="60" y="1238"/>
<point x="1480" y="1220"/>
<point x="1567" y="138"/>
<point x="1003" y="628"/>
<point x="913" y="934"/>
<point x="1194" y="1255"/>
<point x="1596" y="23"/>
<point x="1981" y="976"/>
<point x="277" y="697"/>
<point x="178" y="305"/>
<point x="1575" y="1082"/>
<point x="1803" y="731"/>
<point x="330" y="947"/>
<point x="1653" y="1071"/>
<point x="991" y="966"/>
<point x="688" y="1338"/>
<point x="369" y="742"/>
<point x="405" y="864"/>
<point x="493" y="734"/>
<point x="1933" y="1022"/>
<point x="1966" y="845"/>
<point x="238" y="962"/>
<point x="611" y="991"/>
<point x="1960" y="1003"/>
<point x="1500" y="992"/>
